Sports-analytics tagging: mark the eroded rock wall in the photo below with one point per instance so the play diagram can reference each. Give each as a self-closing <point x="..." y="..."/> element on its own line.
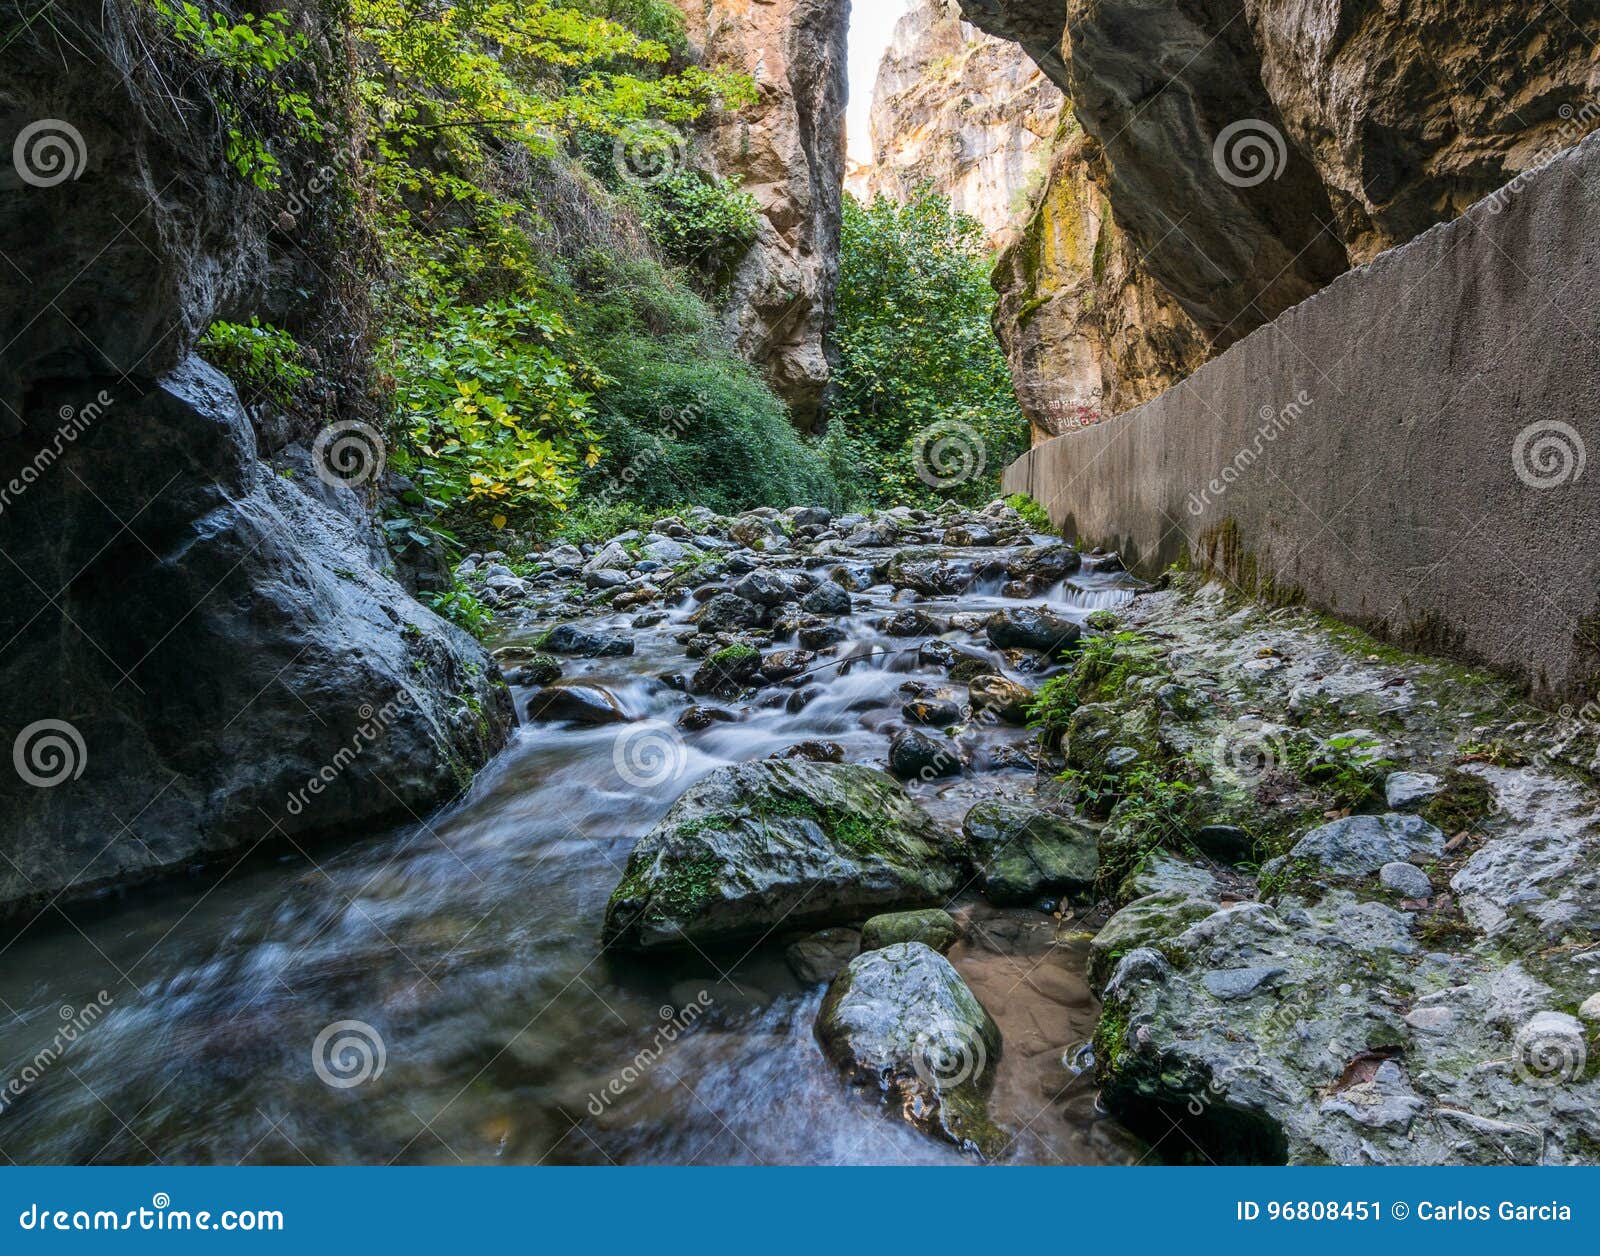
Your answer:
<point x="788" y="150"/>
<point x="969" y="114"/>
<point x="200" y="653"/>
<point x="1253" y="148"/>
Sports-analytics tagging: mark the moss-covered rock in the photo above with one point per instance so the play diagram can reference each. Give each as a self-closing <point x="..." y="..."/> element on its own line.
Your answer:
<point x="1145" y="922"/>
<point x="1024" y="854"/>
<point x="780" y="841"/>
<point x="932" y="926"/>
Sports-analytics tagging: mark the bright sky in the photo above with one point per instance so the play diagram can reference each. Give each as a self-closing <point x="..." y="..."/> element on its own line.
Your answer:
<point x="871" y="25"/>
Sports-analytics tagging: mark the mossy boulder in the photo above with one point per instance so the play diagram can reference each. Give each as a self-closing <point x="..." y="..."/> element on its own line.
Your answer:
<point x="787" y="842"/>
<point x="932" y="926"/>
<point x="1146" y="921"/>
<point x="901" y="1022"/>
<point x="1024" y="854"/>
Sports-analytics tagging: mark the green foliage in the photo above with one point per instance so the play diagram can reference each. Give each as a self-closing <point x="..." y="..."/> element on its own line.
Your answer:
<point x="1033" y="514"/>
<point x="1104" y="667"/>
<point x="699" y="221"/>
<point x="925" y="407"/>
<point x="463" y="608"/>
<point x="250" y="55"/>
<point x="262" y="360"/>
<point x="1351" y="768"/>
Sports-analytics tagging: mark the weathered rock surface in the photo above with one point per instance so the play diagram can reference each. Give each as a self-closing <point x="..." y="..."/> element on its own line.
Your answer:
<point x="932" y="926"/>
<point x="780" y="841"/>
<point x="956" y="109"/>
<point x="901" y="1021"/>
<point x="788" y="151"/>
<point x="1024" y="854"/>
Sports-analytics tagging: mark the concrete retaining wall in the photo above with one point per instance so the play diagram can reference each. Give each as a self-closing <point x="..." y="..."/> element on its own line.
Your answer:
<point x="1407" y="449"/>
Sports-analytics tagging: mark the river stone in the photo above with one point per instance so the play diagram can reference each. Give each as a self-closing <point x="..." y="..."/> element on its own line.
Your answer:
<point x="1024" y="854"/>
<point x="914" y="754"/>
<point x="581" y="643"/>
<point x="727" y="672"/>
<point x="1141" y="922"/>
<point x="911" y="622"/>
<point x="1411" y="789"/>
<point x="1046" y="565"/>
<point x="764" y="588"/>
<point x="1406" y="880"/>
<point x="828" y="598"/>
<point x="780" y="841"/>
<point x="901" y="1021"/>
<point x="727" y="612"/>
<point x="932" y="712"/>
<point x="573" y="703"/>
<point x="1032" y="628"/>
<point x="1359" y="845"/>
<point x="932" y="926"/>
<point x="819" y="958"/>
<point x="1001" y="698"/>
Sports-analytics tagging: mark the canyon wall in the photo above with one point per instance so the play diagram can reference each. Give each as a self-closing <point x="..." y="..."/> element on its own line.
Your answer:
<point x="1251" y="149"/>
<point x="1407" y="450"/>
<point x="787" y="150"/>
<point x="971" y="115"/>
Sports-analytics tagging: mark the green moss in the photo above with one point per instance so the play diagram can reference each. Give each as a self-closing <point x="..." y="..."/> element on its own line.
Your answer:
<point x="861" y="833"/>
<point x="706" y="824"/>
<point x="734" y="654"/>
<point x="1464" y="800"/>
<point x="1033" y="514"/>
<point x="687" y="887"/>
<point x="1110" y="1042"/>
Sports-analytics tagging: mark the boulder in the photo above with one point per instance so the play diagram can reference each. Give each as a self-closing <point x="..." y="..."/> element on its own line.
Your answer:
<point x="727" y="612"/>
<point x="820" y="956"/>
<point x="1360" y="845"/>
<point x="901" y="1022"/>
<point x="756" y="844"/>
<point x="1003" y="699"/>
<point x="828" y="598"/>
<point x="1032" y="628"/>
<point x="1024" y="854"/>
<point x="914" y="755"/>
<point x="932" y="712"/>
<point x="574" y="703"/>
<point x="579" y="642"/>
<point x="931" y="926"/>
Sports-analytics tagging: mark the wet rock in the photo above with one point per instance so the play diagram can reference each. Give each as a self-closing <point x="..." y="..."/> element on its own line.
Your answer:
<point x="581" y="643"/>
<point x="809" y="516"/>
<point x="727" y="612"/>
<point x="1143" y="922"/>
<point x="932" y="577"/>
<point x="1032" y="628"/>
<point x="902" y="1022"/>
<point x="757" y="844"/>
<point x="932" y="926"/>
<point x="667" y="551"/>
<point x="911" y="622"/>
<point x="821" y="636"/>
<point x="605" y="578"/>
<point x="764" y="588"/>
<point x="1045" y="565"/>
<point x="873" y="536"/>
<point x="697" y="719"/>
<point x="932" y="712"/>
<point x="727" y="673"/>
<point x="814" y="752"/>
<point x="819" y="957"/>
<point x="572" y="703"/>
<point x="1360" y="845"/>
<point x="783" y="665"/>
<point x="1161" y="872"/>
<point x="1406" y="880"/>
<point x="1024" y="854"/>
<point x="1411" y="789"/>
<point x="1226" y="843"/>
<point x="525" y="668"/>
<point x="827" y="598"/>
<point x="752" y="532"/>
<point x="914" y="755"/>
<point x="1003" y="699"/>
<point x="969" y="536"/>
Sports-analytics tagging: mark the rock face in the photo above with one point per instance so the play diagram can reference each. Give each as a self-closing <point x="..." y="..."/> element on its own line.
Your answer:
<point x="788" y="149"/>
<point x="1253" y="149"/>
<point x="1086" y="330"/>
<point x="780" y="841"/>
<point x="900" y="1019"/>
<point x="199" y="653"/>
<point x="960" y="110"/>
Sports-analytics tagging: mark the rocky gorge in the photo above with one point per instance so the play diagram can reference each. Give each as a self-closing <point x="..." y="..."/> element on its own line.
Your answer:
<point x="399" y="778"/>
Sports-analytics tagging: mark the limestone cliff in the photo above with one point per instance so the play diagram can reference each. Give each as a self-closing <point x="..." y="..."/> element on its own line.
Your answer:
<point x="1252" y="148"/>
<point x="1086" y="331"/>
<point x="970" y="114"/>
<point x="788" y="150"/>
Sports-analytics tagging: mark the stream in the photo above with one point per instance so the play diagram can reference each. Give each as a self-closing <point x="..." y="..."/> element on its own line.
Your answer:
<point x="461" y="954"/>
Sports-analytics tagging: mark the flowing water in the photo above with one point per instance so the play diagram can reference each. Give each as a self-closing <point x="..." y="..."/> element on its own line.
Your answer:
<point x="245" y="1019"/>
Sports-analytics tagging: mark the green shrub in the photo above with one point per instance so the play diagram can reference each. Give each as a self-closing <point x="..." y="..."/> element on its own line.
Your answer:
<point x="700" y="222"/>
<point x="262" y="360"/>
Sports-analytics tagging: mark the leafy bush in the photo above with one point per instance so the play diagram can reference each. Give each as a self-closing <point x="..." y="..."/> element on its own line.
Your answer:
<point x="262" y="360"/>
<point x="1033" y="514"/>
<point x="924" y="405"/>
<point x="700" y="222"/>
